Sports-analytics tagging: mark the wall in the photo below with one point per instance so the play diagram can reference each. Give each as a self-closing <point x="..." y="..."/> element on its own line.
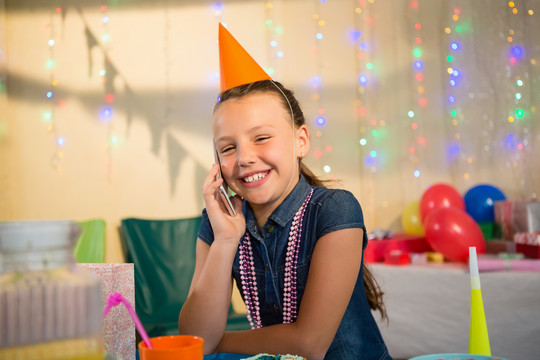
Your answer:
<point x="134" y="141"/>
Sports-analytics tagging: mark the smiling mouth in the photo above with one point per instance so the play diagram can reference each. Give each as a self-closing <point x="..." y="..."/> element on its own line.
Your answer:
<point x="256" y="177"/>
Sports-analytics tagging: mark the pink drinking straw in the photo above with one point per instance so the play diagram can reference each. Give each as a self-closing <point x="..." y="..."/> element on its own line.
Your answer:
<point x="117" y="298"/>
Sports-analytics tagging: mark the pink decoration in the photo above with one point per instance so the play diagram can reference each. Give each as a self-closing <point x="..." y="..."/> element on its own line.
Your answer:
<point x="527" y="265"/>
<point x="378" y="249"/>
<point x="118" y="327"/>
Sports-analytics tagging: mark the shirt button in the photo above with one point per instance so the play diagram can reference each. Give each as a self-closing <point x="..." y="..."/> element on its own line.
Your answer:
<point x="276" y="309"/>
<point x="269" y="228"/>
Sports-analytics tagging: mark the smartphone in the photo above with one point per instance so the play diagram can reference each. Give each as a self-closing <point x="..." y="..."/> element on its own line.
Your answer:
<point x="223" y="189"/>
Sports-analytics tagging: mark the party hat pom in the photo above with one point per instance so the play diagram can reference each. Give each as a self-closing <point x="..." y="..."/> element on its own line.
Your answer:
<point x="236" y="66"/>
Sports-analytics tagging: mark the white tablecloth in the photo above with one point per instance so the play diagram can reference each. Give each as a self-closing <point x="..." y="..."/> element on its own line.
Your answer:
<point x="429" y="310"/>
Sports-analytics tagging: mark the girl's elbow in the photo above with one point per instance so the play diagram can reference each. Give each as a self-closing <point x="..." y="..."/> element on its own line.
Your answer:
<point x="183" y="323"/>
<point x="210" y="342"/>
<point x="208" y="336"/>
<point x="315" y="353"/>
<point x="182" y="329"/>
<point x="313" y="347"/>
<point x="209" y="348"/>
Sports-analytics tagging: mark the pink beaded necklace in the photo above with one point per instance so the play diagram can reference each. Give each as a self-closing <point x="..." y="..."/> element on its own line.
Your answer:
<point x="249" y="281"/>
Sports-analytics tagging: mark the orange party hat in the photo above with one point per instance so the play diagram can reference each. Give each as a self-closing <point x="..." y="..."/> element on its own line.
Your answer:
<point x="236" y="66"/>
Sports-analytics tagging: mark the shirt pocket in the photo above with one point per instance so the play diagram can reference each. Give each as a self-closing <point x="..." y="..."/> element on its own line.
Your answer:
<point x="302" y="272"/>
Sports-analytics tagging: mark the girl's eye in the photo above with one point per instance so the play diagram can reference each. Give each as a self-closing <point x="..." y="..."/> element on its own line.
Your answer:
<point x="262" y="138"/>
<point x="227" y="148"/>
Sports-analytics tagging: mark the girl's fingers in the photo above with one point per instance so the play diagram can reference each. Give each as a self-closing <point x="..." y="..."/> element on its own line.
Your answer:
<point x="228" y="226"/>
<point x="213" y="197"/>
<point x="211" y="185"/>
<point x="211" y="177"/>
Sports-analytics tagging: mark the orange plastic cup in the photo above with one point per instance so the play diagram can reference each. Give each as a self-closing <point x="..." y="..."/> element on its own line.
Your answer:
<point x="173" y="347"/>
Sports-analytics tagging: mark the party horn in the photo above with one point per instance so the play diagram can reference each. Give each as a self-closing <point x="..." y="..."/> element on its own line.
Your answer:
<point x="478" y="333"/>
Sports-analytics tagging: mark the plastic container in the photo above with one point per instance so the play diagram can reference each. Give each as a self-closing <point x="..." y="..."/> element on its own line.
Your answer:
<point x="184" y="347"/>
<point x="48" y="308"/>
<point x="456" y="357"/>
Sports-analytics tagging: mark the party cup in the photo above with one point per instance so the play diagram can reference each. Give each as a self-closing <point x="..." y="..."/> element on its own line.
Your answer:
<point x="173" y="347"/>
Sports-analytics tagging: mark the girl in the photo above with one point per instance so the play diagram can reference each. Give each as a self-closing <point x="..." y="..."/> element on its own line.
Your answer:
<point x="294" y="247"/>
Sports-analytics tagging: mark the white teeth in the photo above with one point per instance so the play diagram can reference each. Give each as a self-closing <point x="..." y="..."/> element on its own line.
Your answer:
<point x="255" y="177"/>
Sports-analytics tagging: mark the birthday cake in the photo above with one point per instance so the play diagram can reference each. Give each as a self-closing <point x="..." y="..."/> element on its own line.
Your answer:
<point x="274" y="357"/>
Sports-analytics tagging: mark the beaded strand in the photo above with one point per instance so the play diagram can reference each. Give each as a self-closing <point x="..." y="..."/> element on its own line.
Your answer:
<point x="249" y="281"/>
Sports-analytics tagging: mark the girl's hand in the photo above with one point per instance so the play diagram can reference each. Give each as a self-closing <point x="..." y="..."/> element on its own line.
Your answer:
<point x="225" y="226"/>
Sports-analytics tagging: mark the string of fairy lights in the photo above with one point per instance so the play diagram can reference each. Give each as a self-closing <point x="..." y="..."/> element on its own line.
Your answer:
<point x="274" y="35"/>
<point x="417" y="109"/>
<point x="367" y="69"/>
<point x="217" y="12"/>
<point x="454" y="60"/>
<point x="516" y="56"/>
<point x="316" y="84"/>
<point x="108" y="74"/>
<point x="365" y="74"/>
<point x="362" y="64"/>
<point x="455" y="34"/>
<point x="3" y="92"/>
<point x="517" y="113"/>
<point x="521" y="110"/>
<point x="50" y="114"/>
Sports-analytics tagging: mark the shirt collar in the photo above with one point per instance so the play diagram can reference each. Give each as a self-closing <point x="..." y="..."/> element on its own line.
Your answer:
<point x="285" y="211"/>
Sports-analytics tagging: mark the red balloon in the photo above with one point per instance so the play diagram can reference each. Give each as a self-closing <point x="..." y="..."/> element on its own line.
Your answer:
<point x="439" y="196"/>
<point x="452" y="231"/>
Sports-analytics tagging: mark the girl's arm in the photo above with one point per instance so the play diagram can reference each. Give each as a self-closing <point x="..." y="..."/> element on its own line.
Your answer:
<point x="333" y="272"/>
<point x="206" y="308"/>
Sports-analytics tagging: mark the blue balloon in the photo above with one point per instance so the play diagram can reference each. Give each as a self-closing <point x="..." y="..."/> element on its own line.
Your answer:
<point x="479" y="202"/>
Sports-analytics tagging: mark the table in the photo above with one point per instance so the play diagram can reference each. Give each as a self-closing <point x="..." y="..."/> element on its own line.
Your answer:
<point x="217" y="356"/>
<point x="225" y="356"/>
<point x="429" y="310"/>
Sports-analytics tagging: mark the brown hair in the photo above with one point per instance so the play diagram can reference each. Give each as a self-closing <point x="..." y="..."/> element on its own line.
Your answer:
<point x="290" y="104"/>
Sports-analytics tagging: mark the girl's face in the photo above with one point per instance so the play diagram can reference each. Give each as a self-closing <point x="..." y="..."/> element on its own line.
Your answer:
<point x="258" y="148"/>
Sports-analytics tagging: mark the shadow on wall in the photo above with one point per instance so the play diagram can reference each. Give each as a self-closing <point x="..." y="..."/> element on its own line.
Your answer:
<point x="21" y="5"/>
<point x="157" y="108"/>
<point x="150" y="110"/>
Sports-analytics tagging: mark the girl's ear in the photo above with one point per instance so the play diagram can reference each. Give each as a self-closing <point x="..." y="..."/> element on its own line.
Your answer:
<point x="302" y="141"/>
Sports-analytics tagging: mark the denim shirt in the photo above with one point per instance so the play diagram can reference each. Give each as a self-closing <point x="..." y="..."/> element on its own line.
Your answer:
<point x="358" y="336"/>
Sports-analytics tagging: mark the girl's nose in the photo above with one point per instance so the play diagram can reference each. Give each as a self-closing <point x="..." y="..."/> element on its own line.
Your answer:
<point x="246" y="156"/>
